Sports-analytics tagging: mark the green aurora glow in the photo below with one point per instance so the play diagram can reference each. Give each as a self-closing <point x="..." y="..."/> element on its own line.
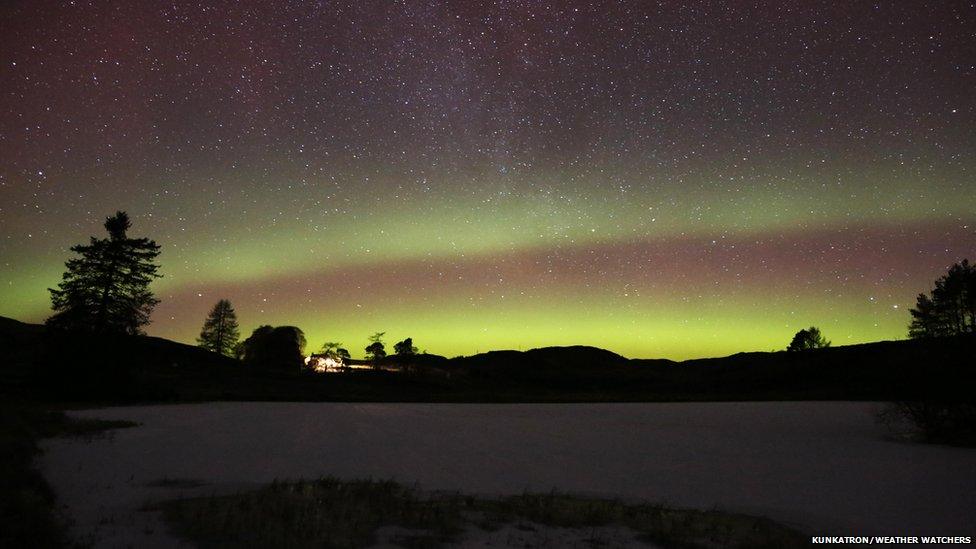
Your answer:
<point x="496" y="284"/>
<point x="680" y="201"/>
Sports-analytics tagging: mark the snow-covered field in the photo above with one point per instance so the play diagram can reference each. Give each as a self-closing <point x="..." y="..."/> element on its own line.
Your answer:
<point x="823" y="467"/>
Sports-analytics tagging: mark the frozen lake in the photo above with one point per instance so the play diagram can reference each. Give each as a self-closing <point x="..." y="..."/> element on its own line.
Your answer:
<point x="825" y="468"/>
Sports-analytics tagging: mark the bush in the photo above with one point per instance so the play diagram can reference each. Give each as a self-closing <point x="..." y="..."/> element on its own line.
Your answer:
<point x="939" y="422"/>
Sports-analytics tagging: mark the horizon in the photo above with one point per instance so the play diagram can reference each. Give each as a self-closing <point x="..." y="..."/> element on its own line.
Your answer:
<point x="308" y="351"/>
<point x="681" y="181"/>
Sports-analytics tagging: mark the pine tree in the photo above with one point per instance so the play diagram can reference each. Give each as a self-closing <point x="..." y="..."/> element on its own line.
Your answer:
<point x="220" y="331"/>
<point x="951" y="309"/>
<point x="106" y="288"/>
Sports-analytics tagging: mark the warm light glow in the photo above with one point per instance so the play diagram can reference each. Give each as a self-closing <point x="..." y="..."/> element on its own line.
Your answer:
<point x="325" y="363"/>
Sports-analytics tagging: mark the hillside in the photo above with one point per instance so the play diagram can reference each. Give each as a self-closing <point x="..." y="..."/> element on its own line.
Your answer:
<point x="36" y="364"/>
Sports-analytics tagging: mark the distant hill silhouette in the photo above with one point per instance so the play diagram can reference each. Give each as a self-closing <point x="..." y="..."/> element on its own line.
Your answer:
<point x="886" y="370"/>
<point x="578" y="358"/>
<point x="37" y="363"/>
<point x="414" y="361"/>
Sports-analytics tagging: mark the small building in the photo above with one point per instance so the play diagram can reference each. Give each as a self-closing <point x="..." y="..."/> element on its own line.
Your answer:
<point x="324" y="363"/>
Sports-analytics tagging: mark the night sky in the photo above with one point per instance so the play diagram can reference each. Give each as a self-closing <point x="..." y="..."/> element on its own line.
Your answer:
<point x="662" y="179"/>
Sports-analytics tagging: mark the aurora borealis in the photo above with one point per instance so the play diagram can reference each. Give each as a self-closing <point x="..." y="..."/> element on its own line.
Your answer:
<point x="661" y="179"/>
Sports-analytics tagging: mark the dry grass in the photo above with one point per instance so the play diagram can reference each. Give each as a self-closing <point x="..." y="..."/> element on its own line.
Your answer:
<point x="334" y="513"/>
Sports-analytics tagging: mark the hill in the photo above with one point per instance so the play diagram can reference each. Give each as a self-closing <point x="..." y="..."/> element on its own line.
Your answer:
<point x="35" y="362"/>
<point x="64" y="367"/>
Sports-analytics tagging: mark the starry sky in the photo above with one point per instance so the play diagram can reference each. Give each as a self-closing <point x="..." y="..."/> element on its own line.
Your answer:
<point x="662" y="179"/>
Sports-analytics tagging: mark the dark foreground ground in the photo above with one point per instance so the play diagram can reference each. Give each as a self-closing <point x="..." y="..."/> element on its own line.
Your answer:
<point x="27" y="502"/>
<point x="42" y="373"/>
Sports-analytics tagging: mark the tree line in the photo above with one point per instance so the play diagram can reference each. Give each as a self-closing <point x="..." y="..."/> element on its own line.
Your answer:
<point x="280" y="347"/>
<point x="106" y="290"/>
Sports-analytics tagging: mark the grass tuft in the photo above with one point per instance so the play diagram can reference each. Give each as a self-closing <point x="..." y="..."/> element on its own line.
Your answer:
<point x="339" y="514"/>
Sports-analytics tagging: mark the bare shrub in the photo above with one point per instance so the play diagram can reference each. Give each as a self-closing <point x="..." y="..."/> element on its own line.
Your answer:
<point x="939" y="422"/>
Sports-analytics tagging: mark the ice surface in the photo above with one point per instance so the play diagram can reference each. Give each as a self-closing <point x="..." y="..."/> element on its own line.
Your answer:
<point x="826" y="468"/>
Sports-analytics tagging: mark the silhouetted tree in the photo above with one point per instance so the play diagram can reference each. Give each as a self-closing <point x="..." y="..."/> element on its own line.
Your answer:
<point x="810" y="338"/>
<point x="405" y="347"/>
<point x="331" y="348"/>
<point x="951" y="308"/>
<point x="275" y="348"/>
<point x="942" y="422"/>
<point x="255" y="346"/>
<point x="106" y="289"/>
<point x="344" y="354"/>
<point x="948" y="310"/>
<point x="220" y="332"/>
<point x="376" y="350"/>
